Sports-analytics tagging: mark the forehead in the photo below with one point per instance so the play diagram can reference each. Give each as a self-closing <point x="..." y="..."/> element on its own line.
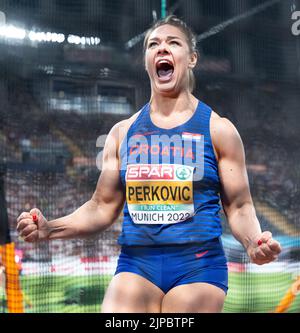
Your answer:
<point x="167" y="30"/>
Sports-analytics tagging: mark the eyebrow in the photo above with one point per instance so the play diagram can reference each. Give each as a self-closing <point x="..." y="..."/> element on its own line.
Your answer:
<point x="168" y="38"/>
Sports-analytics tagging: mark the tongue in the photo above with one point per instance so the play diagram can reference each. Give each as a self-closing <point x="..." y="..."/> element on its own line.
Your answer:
<point x="165" y="73"/>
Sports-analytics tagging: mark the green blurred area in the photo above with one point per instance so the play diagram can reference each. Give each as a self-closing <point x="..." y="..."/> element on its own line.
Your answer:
<point x="248" y="292"/>
<point x="258" y="292"/>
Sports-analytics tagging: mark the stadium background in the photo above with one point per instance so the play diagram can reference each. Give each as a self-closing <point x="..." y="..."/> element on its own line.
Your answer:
<point x="69" y="70"/>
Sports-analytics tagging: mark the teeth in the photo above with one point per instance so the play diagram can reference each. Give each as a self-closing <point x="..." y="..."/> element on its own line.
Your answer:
<point x="164" y="62"/>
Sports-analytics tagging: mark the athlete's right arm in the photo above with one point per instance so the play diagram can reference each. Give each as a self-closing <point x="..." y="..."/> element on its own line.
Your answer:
<point x="95" y="215"/>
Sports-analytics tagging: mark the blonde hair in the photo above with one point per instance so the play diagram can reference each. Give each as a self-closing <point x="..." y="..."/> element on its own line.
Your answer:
<point x="190" y="38"/>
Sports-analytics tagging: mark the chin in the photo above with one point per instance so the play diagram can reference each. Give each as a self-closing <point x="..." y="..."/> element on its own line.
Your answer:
<point x="166" y="88"/>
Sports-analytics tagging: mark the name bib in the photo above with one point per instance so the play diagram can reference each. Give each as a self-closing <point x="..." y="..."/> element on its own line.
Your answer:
<point x="159" y="193"/>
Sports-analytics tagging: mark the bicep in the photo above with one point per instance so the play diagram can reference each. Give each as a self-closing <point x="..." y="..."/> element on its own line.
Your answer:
<point x="235" y="190"/>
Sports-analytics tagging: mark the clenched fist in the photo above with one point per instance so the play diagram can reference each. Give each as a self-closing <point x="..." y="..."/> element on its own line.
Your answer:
<point x="264" y="250"/>
<point x="32" y="226"/>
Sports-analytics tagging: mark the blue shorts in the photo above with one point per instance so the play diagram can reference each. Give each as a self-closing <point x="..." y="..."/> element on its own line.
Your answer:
<point x="171" y="266"/>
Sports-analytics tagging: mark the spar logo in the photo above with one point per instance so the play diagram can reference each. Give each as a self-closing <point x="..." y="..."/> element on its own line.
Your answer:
<point x="183" y="173"/>
<point x="158" y="172"/>
<point x="148" y="171"/>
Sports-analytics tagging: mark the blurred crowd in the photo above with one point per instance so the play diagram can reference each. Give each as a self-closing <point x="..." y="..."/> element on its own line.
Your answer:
<point x="30" y="134"/>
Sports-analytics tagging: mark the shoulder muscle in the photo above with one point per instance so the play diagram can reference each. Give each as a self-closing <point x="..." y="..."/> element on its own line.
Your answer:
<point x="226" y="139"/>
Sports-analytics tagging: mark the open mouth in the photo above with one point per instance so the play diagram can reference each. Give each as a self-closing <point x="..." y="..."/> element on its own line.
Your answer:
<point x="164" y="70"/>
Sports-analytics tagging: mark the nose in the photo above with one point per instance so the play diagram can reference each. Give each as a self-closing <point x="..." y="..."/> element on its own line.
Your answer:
<point x="163" y="48"/>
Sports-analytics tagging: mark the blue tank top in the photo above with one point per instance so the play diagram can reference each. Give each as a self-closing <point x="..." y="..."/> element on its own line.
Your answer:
<point x="171" y="181"/>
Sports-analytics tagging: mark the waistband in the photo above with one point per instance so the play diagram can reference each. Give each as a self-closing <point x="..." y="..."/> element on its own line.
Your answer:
<point x="214" y="244"/>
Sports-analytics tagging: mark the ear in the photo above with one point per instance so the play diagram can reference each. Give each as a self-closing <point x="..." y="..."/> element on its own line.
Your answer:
<point x="193" y="60"/>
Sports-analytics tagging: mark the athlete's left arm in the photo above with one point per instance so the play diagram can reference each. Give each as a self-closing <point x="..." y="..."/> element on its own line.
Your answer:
<point x="235" y="194"/>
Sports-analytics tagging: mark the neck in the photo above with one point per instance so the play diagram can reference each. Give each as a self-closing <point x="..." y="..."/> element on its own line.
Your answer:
<point x="168" y="104"/>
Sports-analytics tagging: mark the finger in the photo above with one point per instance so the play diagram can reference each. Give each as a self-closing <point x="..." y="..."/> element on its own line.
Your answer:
<point x="23" y="215"/>
<point x="35" y="212"/>
<point x="266" y="250"/>
<point x="28" y="230"/>
<point x="269" y="258"/>
<point x="261" y="258"/>
<point x="259" y="254"/>
<point x="262" y="261"/>
<point x="274" y="246"/>
<point x="265" y="236"/>
<point x="258" y="261"/>
<point x="264" y="254"/>
<point x="23" y="223"/>
<point x="32" y="237"/>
